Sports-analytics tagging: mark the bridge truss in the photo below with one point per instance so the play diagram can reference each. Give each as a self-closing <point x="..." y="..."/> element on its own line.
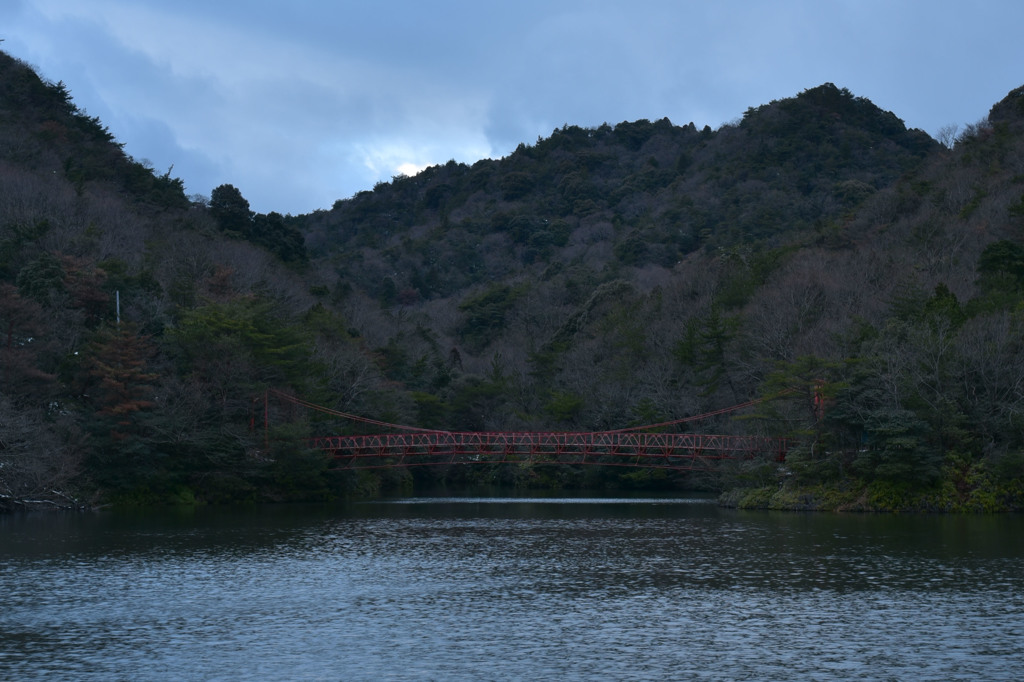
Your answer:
<point x="680" y="451"/>
<point x="408" y="446"/>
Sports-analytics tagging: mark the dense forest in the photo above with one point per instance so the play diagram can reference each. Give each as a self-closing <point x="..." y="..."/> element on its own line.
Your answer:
<point x="865" y="280"/>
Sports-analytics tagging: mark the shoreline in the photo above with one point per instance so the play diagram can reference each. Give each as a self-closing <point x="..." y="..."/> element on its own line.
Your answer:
<point x="878" y="497"/>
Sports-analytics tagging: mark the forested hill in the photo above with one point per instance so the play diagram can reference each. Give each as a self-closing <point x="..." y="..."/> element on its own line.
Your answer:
<point x="793" y="165"/>
<point x="599" y="278"/>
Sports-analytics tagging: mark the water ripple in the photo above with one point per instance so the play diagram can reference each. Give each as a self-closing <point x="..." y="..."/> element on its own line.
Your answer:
<point x="481" y="589"/>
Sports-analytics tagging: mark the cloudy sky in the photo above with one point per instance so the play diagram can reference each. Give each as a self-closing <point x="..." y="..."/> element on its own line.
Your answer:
<point x="299" y="103"/>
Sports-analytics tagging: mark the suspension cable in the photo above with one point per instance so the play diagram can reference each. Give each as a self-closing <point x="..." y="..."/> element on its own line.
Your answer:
<point x="706" y="415"/>
<point x="389" y="425"/>
<point x="346" y="415"/>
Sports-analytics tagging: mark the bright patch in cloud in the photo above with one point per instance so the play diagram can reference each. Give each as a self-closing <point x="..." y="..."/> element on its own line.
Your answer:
<point x="410" y="168"/>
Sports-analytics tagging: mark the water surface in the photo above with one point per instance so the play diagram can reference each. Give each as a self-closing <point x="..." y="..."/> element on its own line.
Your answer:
<point x="496" y="588"/>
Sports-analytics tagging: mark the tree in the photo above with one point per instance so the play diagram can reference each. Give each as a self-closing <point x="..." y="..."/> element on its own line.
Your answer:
<point x="485" y="314"/>
<point x="898" y="450"/>
<point x="990" y="356"/>
<point x="119" y="385"/>
<point x="116" y="383"/>
<point x="41" y="278"/>
<point x="899" y="405"/>
<point x="24" y="339"/>
<point x="713" y="363"/>
<point x="801" y="391"/>
<point x="564" y="406"/>
<point x="231" y="210"/>
<point x="273" y="232"/>
<point x="1002" y="258"/>
<point x="946" y="135"/>
<point x="37" y="458"/>
<point x="239" y="348"/>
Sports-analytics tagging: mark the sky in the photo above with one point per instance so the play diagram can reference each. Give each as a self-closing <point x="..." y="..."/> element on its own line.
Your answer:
<point x="299" y="103"/>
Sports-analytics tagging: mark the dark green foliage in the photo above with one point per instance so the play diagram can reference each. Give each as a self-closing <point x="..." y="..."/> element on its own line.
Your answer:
<point x="632" y="250"/>
<point x="245" y="334"/>
<point x="709" y="353"/>
<point x="687" y="350"/>
<point x="1010" y="109"/>
<point x="972" y="205"/>
<point x="431" y="411"/>
<point x="437" y="196"/>
<point x="17" y="240"/>
<point x="41" y="278"/>
<point x="516" y="184"/>
<point x="473" y="401"/>
<point x="943" y="307"/>
<point x="1000" y="276"/>
<point x="231" y="210"/>
<point x="1016" y="210"/>
<point x="297" y="474"/>
<point x="799" y="394"/>
<point x="1003" y="259"/>
<point x="485" y="314"/>
<point x="898" y="450"/>
<point x="745" y="270"/>
<point x="273" y="231"/>
<point x="634" y="135"/>
<point x="564" y="407"/>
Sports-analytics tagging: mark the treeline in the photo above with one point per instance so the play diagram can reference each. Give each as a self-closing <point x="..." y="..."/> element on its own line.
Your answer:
<point x="153" y="398"/>
<point x="817" y="251"/>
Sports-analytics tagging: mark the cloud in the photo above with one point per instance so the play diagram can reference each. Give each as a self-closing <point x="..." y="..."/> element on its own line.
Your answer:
<point x="290" y="124"/>
<point x="301" y="102"/>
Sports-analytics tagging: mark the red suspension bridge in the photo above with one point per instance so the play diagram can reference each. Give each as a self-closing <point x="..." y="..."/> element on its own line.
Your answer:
<point x="409" y="446"/>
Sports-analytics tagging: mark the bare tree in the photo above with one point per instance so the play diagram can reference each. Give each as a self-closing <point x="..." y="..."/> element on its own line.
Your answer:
<point x="37" y="465"/>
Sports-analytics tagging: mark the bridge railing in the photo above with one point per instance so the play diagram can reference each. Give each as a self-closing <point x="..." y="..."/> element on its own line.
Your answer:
<point x="608" y="448"/>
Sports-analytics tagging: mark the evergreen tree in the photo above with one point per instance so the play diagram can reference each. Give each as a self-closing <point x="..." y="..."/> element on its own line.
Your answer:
<point x="231" y="210"/>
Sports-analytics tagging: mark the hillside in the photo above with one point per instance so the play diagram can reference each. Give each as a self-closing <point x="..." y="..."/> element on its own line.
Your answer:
<point x="599" y="278"/>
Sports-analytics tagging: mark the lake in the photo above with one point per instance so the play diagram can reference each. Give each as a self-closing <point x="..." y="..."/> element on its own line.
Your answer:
<point x="499" y="588"/>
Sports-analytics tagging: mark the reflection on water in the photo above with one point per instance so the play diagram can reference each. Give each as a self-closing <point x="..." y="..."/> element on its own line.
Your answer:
<point x="498" y="588"/>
